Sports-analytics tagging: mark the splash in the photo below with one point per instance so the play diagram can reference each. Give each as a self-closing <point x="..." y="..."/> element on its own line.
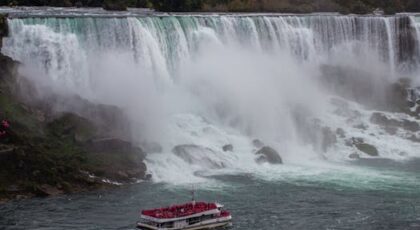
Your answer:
<point x="215" y="80"/>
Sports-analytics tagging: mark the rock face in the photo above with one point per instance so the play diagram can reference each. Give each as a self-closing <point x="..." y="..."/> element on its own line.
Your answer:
<point x="46" y="152"/>
<point x="228" y="148"/>
<point x="269" y="155"/>
<point x="328" y="138"/>
<point x="198" y="155"/>
<point x="354" y="156"/>
<point x="391" y="125"/>
<point x="48" y="190"/>
<point x="116" y="159"/>
<point x="311" y="131"/>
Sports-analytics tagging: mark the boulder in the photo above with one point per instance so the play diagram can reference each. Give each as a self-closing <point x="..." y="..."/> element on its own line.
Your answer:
<point x="48" y="190"/>
<point x="340" y="132"/>
<point x="268" y="154"/>
<point x="412" y="126"/>
<point x="354" y="156"/>
<point x="368" y="149"/>
<point x="198" y="155"/>
<point x="228" y="148"/>
<point x="391" y="125"/>
<point x="328" y="138"/>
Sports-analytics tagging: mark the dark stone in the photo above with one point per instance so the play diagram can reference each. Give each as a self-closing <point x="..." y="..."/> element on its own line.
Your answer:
<point x="412" y="126"/>
<point x="268" y="154"/>
<point x="354" y="156"/>
<point x="228" y="148"/>
<point x="195" y="154"/>
<point x="48" y="190"/>
<point x="368" y="149"/>
<point x="328" y="138"/>
<point x="361" y="126"/>
<point x="390" y="125"/>
<point x="148" y="176"/>
<point x="340" y="132"/>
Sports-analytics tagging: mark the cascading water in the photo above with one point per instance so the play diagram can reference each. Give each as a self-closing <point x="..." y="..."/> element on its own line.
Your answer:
<point x="223" y="79"/>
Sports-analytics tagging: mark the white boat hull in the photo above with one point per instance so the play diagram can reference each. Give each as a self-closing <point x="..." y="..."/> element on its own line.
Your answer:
<point x="209" y="224"/>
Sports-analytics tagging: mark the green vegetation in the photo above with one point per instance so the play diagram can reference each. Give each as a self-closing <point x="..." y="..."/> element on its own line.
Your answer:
<point x="297" y="6"/>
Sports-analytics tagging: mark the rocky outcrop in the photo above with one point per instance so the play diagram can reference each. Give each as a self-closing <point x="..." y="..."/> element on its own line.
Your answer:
<point x="48" y="190"/>
<point x="311" y="131"/>
<point x="197" y="155"/>
<point x="391" y="125"/>
<point x="49" y="152"/>
<point x="268" y="155"/>
<point x="228" y="148"/>
<point x="354" y="156"/>
<point x="368" y="149"/>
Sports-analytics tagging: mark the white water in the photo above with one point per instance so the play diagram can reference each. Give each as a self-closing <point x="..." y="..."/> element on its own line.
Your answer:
<point x="216" y="80"/>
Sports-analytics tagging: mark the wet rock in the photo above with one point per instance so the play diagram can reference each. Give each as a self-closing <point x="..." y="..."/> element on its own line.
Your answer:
<point x="268" y="154"/>
<point x="328" y="138"/>
<point x="48" y="190"/>
<point x="21" y="197"/>
<point x="123" y="175"/>
<point x="110" y="145"/>
<point x="412" y="126"/>
<point x="391" y="130"/>
<point x="13" y="189"/>
<point x="228" y="148"/>
<point x="198" y="155"/>
<point x="257" y="143"/>
<point x="361" y="126"/>
<point x="368" y="149"/>
<point x="391" y="125"/>
<point x="148" y="176"/>
<point x="340" y="132"/>
<point x="354" y="156"/>
<point x="135" y="173"/>
<point x="414" y="138"/>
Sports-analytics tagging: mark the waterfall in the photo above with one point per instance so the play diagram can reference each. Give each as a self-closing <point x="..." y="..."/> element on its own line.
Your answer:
<point x="211" y="80"/>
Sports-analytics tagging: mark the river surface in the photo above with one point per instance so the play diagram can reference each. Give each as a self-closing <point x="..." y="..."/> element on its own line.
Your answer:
<point x="309" y="202"/>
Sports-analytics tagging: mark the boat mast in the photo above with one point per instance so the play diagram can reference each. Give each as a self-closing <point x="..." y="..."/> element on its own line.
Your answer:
<point x="193" y="195"/>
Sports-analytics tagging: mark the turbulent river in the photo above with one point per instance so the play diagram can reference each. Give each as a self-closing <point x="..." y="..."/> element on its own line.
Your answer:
<point x="313" y="87"/>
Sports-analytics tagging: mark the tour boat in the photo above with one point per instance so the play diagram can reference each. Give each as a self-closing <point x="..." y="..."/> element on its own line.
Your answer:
<point x="189" y="216"/>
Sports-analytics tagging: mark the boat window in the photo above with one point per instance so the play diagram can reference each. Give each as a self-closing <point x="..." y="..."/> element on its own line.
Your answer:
<point x="166" y="225"/>
<point x="193" y="220"/>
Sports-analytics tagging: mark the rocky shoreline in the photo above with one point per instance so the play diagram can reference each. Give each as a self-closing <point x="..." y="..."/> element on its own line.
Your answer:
<point x="46" y="152"/>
